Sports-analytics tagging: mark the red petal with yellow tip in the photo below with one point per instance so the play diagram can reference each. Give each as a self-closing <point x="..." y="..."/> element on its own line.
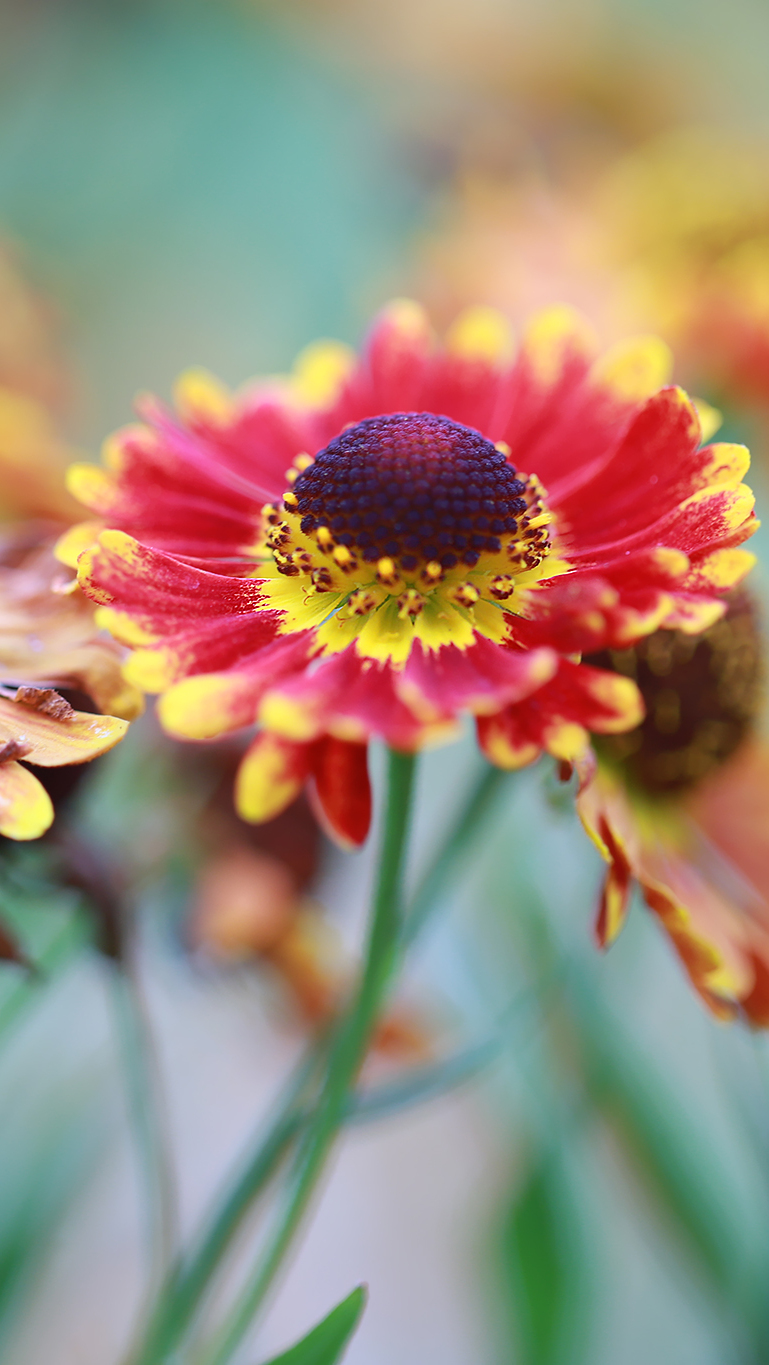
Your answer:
<point x="155" y="588"/>
<point x="349" y="697"/>
<point x="482" y="679"/>
<point x="206" y="705"/>
<point x="271" y="774"/>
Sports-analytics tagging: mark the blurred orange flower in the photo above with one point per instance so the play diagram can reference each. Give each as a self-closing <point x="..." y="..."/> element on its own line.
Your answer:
<point x="48" y="639"/>
<point x="680" y="807"/>
<point x="672" y="236"/>
<point x="251" y="906"/>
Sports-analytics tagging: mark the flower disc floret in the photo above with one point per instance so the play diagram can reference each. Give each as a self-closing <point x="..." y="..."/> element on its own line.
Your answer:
<point x="414" y="487"/>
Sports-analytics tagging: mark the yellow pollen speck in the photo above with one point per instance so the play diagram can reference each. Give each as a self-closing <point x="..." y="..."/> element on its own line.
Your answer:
<point x="503" y="449"/>
<point x="290" y="499"/>
<point x="543" y="519"/>
<point x="342" y="556"/>
<point x="386" y="571"/>
<point x="433" y="570"/>
<point x="291" y="475"/>
<point x="303" y="461"/>
<point x="324" y="538"/>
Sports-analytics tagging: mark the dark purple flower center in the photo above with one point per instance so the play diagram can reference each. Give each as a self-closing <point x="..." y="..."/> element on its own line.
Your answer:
<point x="413" y="487"/>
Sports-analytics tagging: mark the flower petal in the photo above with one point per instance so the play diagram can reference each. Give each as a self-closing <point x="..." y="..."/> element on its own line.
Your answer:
<point x="342" y="790"/>
<point x="271" y="774"/>
<point x="26" y="810"/>
<point x="51" y="741"/>
<point x="481" y="679"/>
<point x="211" y="704"/>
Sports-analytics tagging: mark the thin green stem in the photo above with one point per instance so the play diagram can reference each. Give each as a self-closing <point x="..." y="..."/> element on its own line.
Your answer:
<point x="182" y="1294"/>
<point x="348" y="1051"/>
<point x="452" y="850"/>
<point x="137" y="1054"/>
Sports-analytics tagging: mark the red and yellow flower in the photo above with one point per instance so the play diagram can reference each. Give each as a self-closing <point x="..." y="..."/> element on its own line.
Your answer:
<point x="405" y="571"/>
<point x="680" y="808"/>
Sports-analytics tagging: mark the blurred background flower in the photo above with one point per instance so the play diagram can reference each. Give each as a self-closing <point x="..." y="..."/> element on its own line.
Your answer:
<point x="182" y="183"/>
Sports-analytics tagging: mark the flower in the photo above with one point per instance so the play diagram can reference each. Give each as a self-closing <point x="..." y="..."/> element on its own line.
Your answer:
<point x="410" y="572"/>
<point x="251" y="907"/>
<point x="672" y="235"/>
<point x="48" y="638"/>
<point x="39" y="726"/>
<point x="685" y="219"/>
<point x="47" y="630"/>
<point x="247" y="909"/>
<point x="679" y="806"/>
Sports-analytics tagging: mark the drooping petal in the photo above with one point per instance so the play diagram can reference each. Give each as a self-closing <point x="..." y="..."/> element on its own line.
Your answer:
<point x="559" y="716"/>
<point x="149" y="591"/>
<point x="26" y="810"/>
<point x="342" y="789"/>
<point x="653" y="847"/>
<point x="352" y="699"/>
<point x="56" y="735"/>
<point x="271" y="774"/>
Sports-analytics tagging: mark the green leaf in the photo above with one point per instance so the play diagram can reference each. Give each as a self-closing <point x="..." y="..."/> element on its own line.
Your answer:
<point x="674" y="1155"/>
<point x="326" y="1343"/>
<point x="543" y="1267"/>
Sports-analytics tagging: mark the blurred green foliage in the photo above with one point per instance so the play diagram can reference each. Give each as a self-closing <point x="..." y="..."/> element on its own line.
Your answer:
<point x="326" y="1343"/>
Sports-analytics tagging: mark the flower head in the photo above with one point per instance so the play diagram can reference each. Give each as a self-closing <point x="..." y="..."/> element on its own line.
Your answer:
<point x="375" y="546"/>
<point x="677" y="806"/>
<point x="39" y="726"/>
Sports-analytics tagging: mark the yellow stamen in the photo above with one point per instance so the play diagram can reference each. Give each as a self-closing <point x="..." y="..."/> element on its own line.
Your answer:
<point x="342" y="556"/>
<point x="321" y="580"/>
<point x="411" y="603"/>
<point x="465" y="595"/>
<point x="361" y="602"/>
<point x="386" y="571"/>
<point x="502" y="586"/>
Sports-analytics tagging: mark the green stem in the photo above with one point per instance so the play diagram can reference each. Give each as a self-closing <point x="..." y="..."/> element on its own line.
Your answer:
<point x="452" y="850"/>
<point x="183" y="1292"/>
<point x="348" y="1051"/>
<point x="146" y="1118"/>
